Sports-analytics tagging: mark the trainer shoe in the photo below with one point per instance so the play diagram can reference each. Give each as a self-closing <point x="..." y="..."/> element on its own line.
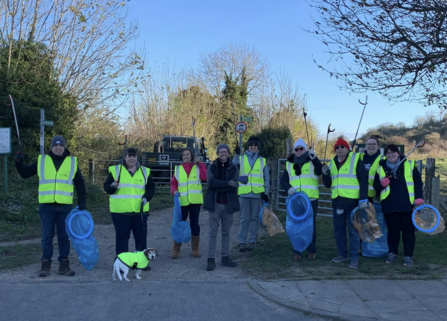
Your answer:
<point x="251" y="247"/>
<point x="354" y="263"/>
<point x="311" y="256"/>
<point x="408" y="261"/>
<point x="226" y="261"/>
<point x="391" y="258"/>
<point x="242" y="247"/>
<point x="297" y="257"/>
<point x="339" y="259"/>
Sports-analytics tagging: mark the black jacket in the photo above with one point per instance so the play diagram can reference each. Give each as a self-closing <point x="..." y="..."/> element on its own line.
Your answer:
<point x="149" y="189"/>
<point x="344" y="202"/>
<point x="398" y="200"/>
<point x="78" y="179"/>
<point x="216" y="185"/>
<point x="285" y="182"/>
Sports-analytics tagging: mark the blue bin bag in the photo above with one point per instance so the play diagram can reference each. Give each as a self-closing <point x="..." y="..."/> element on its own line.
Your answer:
<point x="264" y="204"/>
<point x="79" y="225"/>
<point x="299" y="221"/>
<point x="378" y="248"/>
<point x="180" y="230"/>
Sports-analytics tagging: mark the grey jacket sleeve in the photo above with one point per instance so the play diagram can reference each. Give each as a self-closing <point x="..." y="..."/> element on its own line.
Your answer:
<point x="237" y="159"/>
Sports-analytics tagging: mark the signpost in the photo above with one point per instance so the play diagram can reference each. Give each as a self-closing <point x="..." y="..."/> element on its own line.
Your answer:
<point x="241" y="128"/>
<point x="247" y="119"/>
<point x="5" y="148"/>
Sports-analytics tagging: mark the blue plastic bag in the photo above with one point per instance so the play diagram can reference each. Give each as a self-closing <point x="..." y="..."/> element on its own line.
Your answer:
<point x="299" y="221"/>
<point x="180" y="230"/>
<point x="379" y="247"/>
<point x="79" y="226"/>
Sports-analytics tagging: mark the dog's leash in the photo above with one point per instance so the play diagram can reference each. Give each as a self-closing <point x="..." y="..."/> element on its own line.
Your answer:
<point x="141" y="214"/>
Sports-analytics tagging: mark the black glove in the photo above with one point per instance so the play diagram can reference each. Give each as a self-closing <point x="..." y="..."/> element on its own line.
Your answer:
<point x="297" y="169"/>
<point x="237" y="150"/>
<point x="264" y="197"/>
<point x="19" y="157"/>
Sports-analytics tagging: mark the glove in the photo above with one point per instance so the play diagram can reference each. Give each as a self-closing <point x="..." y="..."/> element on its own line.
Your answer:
<point x="363" y="204"/>
<point x="19" y="157"/>
<point x="325" y="170"/>
<point x="385" y="182"/>
<point x="115" y="184"/>
<point x="312" y="154"/>
<point x="418" y="201"/>
<point x="291" y="191"/>
<point x="297" y="169"/>
<point x="176" y="193"/>
<point x="265" y="197"/>
<point x="143" y="201"/>
<point x="196" y="160"/>
<point x="233" y="183"/>
<point x="243" y="179"/>
<point x="237" y="150"/>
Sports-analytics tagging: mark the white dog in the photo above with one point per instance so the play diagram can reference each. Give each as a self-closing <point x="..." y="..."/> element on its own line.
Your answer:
<point x="132" y="260"/>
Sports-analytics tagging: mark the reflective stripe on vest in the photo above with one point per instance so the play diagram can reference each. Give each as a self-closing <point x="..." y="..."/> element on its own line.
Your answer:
<point x="408" y="175"/>
<point x="255" y="175"/>
<point x="372" y="172"/>
<point x="344" y="180"/>
<point x="306" y="182"/>
<point x="130" y="191"/>
<point x="56" y="186"/>
<point x="190" y="188"/>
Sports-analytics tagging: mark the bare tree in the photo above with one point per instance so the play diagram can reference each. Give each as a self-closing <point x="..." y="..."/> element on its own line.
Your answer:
<point x="395" y="47"/>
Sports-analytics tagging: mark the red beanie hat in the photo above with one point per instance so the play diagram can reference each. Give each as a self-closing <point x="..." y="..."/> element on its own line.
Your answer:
<point x="341" y="141"/>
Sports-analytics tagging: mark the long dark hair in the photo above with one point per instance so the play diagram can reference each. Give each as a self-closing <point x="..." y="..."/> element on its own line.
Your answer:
<point x="391" y="147"/>
<point x="129" y="152"/>
<point x="193" y="155"/>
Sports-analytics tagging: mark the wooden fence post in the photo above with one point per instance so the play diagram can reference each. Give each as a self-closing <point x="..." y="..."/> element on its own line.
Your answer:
<point x="430" y="165"/>
<point x="435" y="192"/>
<point x="289" y="147"/>
<point x="91" y="170"/>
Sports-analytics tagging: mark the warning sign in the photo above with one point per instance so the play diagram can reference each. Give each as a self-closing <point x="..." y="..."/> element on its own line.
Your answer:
<point x="241" y="127"/>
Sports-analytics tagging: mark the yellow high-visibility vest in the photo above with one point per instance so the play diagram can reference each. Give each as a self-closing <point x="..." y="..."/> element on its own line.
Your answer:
<point x="408" y="174"/>
<point x="134" y="259"/>
<point x="344" y="180"/>
<point x="190" y="188"/>
<point x="306" y="182"/>
<point x="56" y="186"/>
<point x="255" y="175"/>
<point x="130" y="191"/>
<point x="372" y="172"/>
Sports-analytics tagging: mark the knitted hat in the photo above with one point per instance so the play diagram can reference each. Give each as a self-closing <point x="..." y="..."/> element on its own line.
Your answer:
<point x="300" y="142"/>
<point x="342" y="142"/>
<point x="222" y="146"/>
<point x="253" y="140"/>
<point x="58" y="140"/>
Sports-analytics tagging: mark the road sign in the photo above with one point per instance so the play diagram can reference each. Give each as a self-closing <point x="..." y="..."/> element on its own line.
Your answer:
<point x="241" y="127"/>
<point x="247" y="119"/>
<point x="5" y="140"/>
<point x="48" y="123"/>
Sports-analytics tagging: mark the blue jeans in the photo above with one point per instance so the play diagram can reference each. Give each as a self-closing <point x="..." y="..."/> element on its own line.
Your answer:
<point x="340" y="222"/>
<point x="124" y="224"/>
<point x="312" y="248"/>
<point x="52" y="215"/>
<point x="250" y="208"/>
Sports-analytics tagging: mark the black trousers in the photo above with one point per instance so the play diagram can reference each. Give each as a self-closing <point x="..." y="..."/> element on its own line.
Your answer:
<point x="124" y="224"/>
<point x="193" y="211"/>
<point x="398" y="223"/>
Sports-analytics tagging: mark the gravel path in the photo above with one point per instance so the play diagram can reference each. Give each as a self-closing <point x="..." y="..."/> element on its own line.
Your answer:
<point x="186" y="268"/>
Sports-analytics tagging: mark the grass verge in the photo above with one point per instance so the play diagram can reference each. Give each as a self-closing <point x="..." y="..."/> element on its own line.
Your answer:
<point x="273" y="259"/>
<point x="18" y="255"/>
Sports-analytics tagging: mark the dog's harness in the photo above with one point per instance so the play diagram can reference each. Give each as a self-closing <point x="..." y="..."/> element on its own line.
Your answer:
<point x="134" y="260"/>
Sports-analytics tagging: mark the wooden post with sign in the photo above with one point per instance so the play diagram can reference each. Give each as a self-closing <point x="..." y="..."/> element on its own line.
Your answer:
<point x="429" y="175"/>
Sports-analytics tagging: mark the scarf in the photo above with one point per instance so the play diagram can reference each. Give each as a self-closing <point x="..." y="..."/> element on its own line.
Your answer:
<point x="300" y="159"/>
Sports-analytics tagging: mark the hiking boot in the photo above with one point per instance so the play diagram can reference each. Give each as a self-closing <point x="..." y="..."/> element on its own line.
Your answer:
<point x="311" y="256"/>
<point x="339" y="259"/>
<point x="297" y="258"/>
<point x="354" y="263"/>
<point x="391" y="258"/>
<point x="227" y="262"/>
<point x="176" y="250"/>
<point x="211" y="265"/>
<point x="64" y="268"/>
<point x="251" y="247"/>
<point x="46" y="267"/>
<point x="408" y="261"/>
<point x="242" y="247"/>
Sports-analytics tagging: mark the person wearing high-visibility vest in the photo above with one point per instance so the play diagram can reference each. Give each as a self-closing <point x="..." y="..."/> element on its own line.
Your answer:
<point x="254" y="187"/>
<point x="400" y="188"/>
<point x="301" y="175"/>
<point x="58" y="172"/>
<point x="187" y="182"/>
<point x="348" y="179"/>
<point x="129" y="186"/>
<point x="371" y="158"/>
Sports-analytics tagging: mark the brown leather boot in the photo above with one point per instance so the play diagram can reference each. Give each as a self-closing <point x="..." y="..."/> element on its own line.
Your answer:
<point x="46" y="267"/>
<point x="195" y="241"/>
<point x="176" y="250"/>
<point x="64" y="268"/>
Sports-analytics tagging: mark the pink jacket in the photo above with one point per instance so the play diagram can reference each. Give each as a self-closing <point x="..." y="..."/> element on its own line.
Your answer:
<point x="187" y="167"/>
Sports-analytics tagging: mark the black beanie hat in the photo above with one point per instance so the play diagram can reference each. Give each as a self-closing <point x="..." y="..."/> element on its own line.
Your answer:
<point x="253" y="139"/>
<point x="57" y="140"/>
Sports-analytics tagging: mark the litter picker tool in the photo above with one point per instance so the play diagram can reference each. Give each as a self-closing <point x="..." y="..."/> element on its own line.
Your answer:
<point x="327" y="137"/>
<point x="393" y="172"/>
<point x="364" y="106"/>
<point x="305" y="122"/>
<point x="194" y="146"/>
<point x="122" y="159"/>
<point x="234" y="118"/>
<point x="17" y="124"/>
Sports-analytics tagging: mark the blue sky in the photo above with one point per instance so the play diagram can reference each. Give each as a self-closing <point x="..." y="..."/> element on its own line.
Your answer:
<point x="181" y="31"/>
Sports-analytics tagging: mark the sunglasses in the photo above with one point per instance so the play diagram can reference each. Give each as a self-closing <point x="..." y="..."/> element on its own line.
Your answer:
<point x="252" y="144"/>
<point x="299" y="149"/>
<point x="340" y="146"/>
